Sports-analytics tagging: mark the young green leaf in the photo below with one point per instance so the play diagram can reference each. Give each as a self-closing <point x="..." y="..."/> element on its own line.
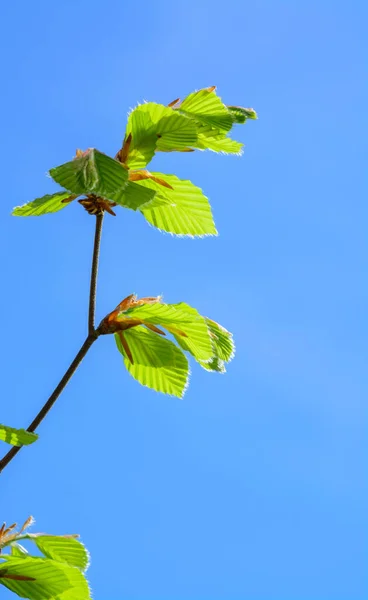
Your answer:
<point x="183" y="210"/>
<point x="64" y="549"/>
<point x="93" y="173"/>
<point x="212" y="139"/>
<point x="157" y="362"/>
<point x="181" y="320"/>
<point x="18" y="550"/>
<point x="208" y="109"/>
<point x="223" y="347"/>
<point x="50" y="203"/>
<point x="240" y="114"/>
<point x="43" y="578"/>
<point x="17" y="437"/>
<point x="215" y="364"/>
<point x="133" y="196"/>
<point x="157" y="127"/>
<point x="222" y="340"/>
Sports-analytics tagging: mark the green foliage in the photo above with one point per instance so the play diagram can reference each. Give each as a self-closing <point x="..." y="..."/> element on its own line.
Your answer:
<point x="93" y="173"/>
<point x="157" y="127"/>
<point x="155" y="361"/>
<point x="16" y="437"/>
<point x="223" y="347"/>
<point x="182" y="210"/>
<point x="62" y="548"/>
<point x="57" y="575"/>
<point x="134" y="196"/>
<point x="240" y="114"/>
<point x="178" y="317"/>
<point x="201" y="121"/>
<point x="50" y="203"/>
<point x="43" y="578"/>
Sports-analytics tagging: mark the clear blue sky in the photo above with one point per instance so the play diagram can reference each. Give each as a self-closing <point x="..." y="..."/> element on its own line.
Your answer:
<point x="254" y="486"/>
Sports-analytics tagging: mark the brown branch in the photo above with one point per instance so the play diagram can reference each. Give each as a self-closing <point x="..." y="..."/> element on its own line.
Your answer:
<point x="92" y="337"/>
<point x="94" y="271"/>
<point x="54" y="396"/>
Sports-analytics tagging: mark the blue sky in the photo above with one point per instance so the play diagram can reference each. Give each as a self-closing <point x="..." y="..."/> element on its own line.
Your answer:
<point x="254" y="486"/>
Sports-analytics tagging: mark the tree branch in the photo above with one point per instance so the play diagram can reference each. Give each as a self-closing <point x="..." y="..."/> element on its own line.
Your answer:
<point x="54" y="396"/>
<point x="91" y="338"/>
<point x="94" y="271"/>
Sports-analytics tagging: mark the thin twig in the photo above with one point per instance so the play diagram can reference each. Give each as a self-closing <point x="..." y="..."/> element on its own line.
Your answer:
<point x="92" y="337"/>
<point x="94" y="271"/>
<point x="54" y="396"/>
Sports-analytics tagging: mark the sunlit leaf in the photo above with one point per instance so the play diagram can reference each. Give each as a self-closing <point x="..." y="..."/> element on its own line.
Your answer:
<point x="222" y="341"/>
<point x="207" y="108"/>
<point x="215" y="364"/>
<point x="50" y="203"/>
<point x="240" y="114"/>
<point x="62" y="548"/>
<point x="93" y="173"/>
<point x="223" y="347"/>
<point x="210" y="139"/>
<point x="157" y="362"/>
<point x="18" y="550"/>
<point x="183" y="210"/>
<point x="17" y="437"/>
<point x="133" y="196"/>
<point x="52" y="580"/>
<point x="157" y="127"/>
<point x="182" y="320"/>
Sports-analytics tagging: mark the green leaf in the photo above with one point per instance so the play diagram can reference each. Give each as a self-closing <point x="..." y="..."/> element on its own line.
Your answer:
<point x="207" y="108"/>
<point x="158" y="363"/>
<point x="133" y="196"/>
<point x="240" y="114"/>
<point x="210" y="139"/>
<point x="18" y="550"/>
<point x="62" y="548"/>
<point x="222" y="340"/>
<point x="223" y="347"/>
<point x="157" y="127"/>
<point x="17" y="437"/>
<point x="94" y="173"/>
<point x="215" y="364"/>
<point x="183" y="210"/>
<point x="50" y="203"/>
<point x="52" y="580"/>
<point x="178" y="317"/>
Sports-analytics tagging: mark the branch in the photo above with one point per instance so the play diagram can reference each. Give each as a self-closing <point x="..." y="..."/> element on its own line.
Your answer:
<point x="92" y="337"/>
<point x="54" y="396"/>
<point x="94" y="271"/>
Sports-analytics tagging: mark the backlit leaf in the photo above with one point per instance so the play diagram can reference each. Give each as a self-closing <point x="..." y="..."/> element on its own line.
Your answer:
<point x="223" y="347"/>
<point x="183" y="210"/>
<point x="158" y="363"/>
<point x="133" y="196"/>
<point x="180" y="318"/>
<point x="240" y="114"/>
<point x="52" y="580"/>
<point x="17" y="437"/>
<point x="62" y="548"/>
<point x="210" y="139"/>
<point x="157" y="127"/>
<point x="93" y="173"/>
<point x="50" y="203"/>
<point x="222" y="341"/>
<point x="207" y="108"/>
<point x="18" y="550"/>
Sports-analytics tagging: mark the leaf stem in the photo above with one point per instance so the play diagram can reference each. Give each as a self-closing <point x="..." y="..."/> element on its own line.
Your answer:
<point x="54" y="396"/>
<point x="94" y="272"/>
